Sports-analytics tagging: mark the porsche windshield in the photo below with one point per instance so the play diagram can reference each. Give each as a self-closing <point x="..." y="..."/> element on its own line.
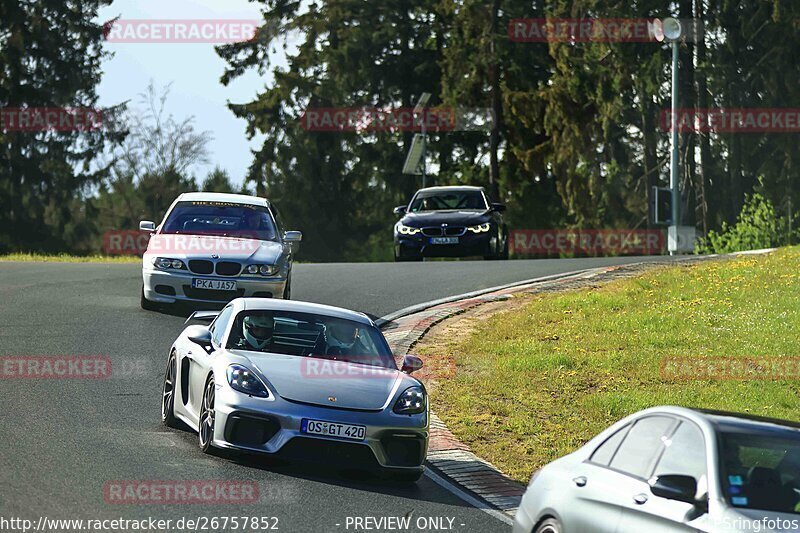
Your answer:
<point x="221" y="219"/>
<point x="310" y="335"/>
<point x="449" y="200"/>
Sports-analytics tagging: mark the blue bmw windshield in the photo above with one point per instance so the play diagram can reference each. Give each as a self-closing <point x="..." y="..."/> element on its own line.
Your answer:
<point x="221" y="219"/>
<point x="448" y="200"/>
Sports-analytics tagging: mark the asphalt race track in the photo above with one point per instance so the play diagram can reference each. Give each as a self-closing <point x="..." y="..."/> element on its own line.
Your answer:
<point x="62" y="441"/>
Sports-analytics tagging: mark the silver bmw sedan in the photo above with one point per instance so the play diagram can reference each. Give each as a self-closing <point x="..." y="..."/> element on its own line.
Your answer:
<point x="213" y="247"/>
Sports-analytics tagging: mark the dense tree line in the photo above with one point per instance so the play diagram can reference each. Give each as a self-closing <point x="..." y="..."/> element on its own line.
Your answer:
<point x="576" y="140"/>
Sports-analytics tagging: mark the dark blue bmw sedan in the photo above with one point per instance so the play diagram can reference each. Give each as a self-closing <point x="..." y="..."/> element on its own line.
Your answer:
<point x="456" y="221"/>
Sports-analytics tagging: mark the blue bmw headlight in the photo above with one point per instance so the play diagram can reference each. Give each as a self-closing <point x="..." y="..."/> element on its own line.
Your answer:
<point x="480" y="228"/>
<point x="407" y="230"/>
<point x="243" y="379"/>
<point x="411" y="402"/>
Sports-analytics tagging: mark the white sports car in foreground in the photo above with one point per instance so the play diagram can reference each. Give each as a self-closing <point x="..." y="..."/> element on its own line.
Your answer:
<point x="214" y="247"/>
<point x="299" y="381"/>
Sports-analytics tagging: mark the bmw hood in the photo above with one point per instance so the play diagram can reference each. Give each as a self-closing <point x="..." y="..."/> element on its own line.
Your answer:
<point x="326" y="382"/>
<point x="204" y="246"/>
<point x="452" y="218"/>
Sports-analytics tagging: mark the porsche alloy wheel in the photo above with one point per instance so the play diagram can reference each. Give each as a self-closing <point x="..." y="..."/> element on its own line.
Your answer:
<point x="206" y="429"/>
<point x="168" y="396"/>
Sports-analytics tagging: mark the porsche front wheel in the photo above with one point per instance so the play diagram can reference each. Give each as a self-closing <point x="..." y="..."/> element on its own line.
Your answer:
<point x="206" y="429"/>
<point x="168" y="396"/>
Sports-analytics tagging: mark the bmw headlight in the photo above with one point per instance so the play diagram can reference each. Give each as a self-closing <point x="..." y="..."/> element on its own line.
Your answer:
<point x="411" y="402"/>
<point x="165" y="263"/>
<point x="407" y="230"/>
<point x="264" y="270"/>
<point x="480" y="228"/>
<point x="242" y="379"/>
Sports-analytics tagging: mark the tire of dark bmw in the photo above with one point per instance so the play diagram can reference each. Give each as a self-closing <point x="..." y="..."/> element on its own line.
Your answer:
<point x="551" y="525"/>
<point x="504" y="253"/>
<point x="168" y="393"/>
<point x="492" y="253"/>
<point x="205" y="431"/>
<point x="287" y="291"/>
<point x="400" y="258"/>
<point x="146" y="304"/>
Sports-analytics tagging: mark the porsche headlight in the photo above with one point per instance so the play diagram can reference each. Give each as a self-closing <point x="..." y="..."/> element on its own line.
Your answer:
<point x="411" y="402"/>
<point x="480" y="228"/>
<point x="243" y="379"/>
<point x="407" y="230"/>
<point x="165" y="263"/>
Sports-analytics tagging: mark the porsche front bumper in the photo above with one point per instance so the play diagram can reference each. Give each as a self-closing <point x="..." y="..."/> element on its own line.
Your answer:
<point x="273" y="426"/>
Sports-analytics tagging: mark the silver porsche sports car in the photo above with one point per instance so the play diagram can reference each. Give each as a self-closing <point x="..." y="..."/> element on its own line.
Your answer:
<point x="213" y="247"/>
<point x="299" y="381"/>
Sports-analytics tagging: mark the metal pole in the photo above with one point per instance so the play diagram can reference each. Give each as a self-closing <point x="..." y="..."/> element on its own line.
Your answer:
<point x="674" y="158"/>
<point x="424" y="152"/>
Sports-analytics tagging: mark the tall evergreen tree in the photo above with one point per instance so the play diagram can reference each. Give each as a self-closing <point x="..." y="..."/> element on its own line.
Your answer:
<point x="50" y="54"/>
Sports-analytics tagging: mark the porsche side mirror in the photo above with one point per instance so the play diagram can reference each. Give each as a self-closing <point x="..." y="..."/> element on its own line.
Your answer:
<point x="399" y="210"/>
<point x="147" y="225"/>
<point x="411" y="363"/>
<point x="199" y="335"/>
<point x="498" y="207"/>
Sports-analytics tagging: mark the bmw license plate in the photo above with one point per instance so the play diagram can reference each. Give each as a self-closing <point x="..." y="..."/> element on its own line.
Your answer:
<point x="444" y="240"/>
<point x="333" y="429"/>
<point x="214" y="284"/>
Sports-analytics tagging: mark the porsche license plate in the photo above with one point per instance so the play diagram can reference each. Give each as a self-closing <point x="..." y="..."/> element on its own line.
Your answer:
<point x="333" y="429"/>
<point x="214" y="284"/>
<point x="444" y="240"/>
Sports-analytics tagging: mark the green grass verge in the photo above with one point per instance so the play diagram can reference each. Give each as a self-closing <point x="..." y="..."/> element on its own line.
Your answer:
<point x="536" y="383"/>
<point x="65" y="258"/>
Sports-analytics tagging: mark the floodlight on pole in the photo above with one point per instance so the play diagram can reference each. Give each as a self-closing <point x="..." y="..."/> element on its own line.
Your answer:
<point x="670" y="29"/>
<point x="422" y="102"/>
<point x="414" y="157"/>
<point x="419" y="110"/>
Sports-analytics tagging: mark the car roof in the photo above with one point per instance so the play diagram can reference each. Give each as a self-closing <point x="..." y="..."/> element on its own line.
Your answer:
<point x="249" y="304"/>
<point x="222" y="197"/>
<point x="725" y="420"/>
<point x="454" y="188"/>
